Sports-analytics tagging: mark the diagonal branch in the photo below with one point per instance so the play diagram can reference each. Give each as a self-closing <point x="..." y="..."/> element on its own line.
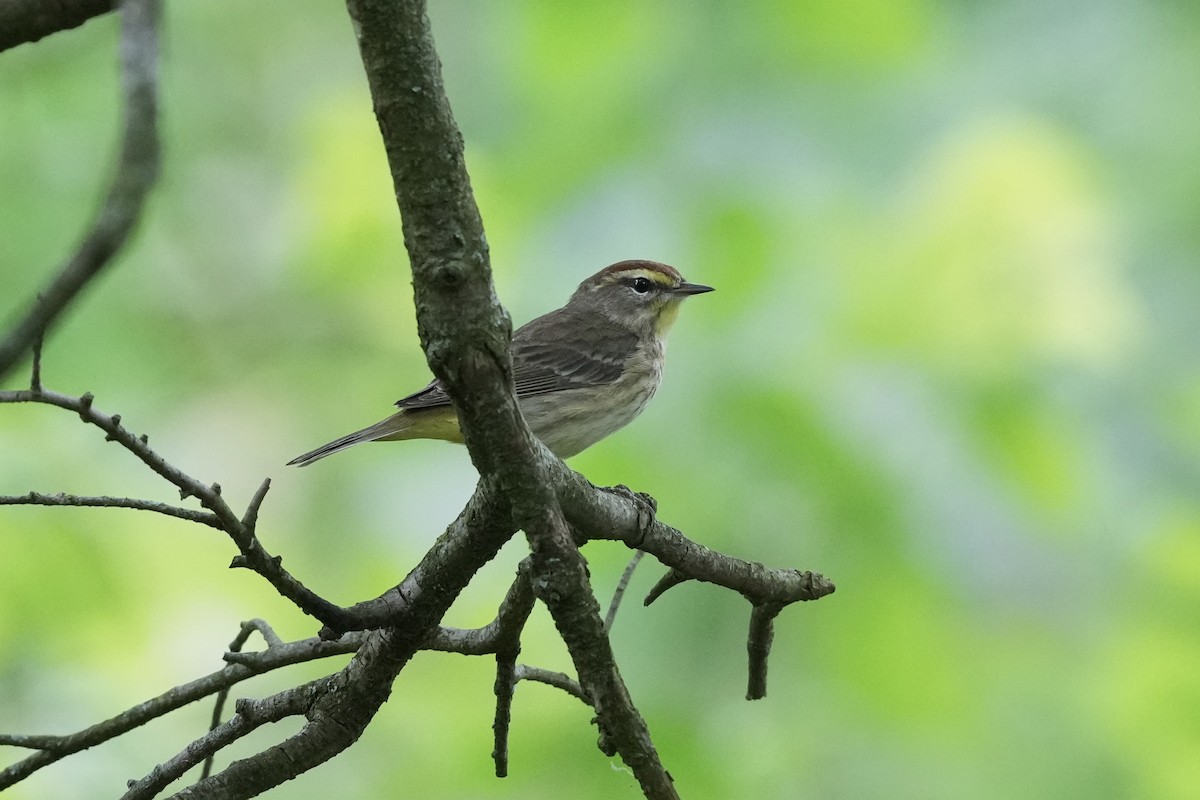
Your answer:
<point x="244" y="665"/>
<point x="24" y="21"/>
<point x="241" y="530"/>
<point x="251" y="715"/>
<point x="53" y="748"/>
<point x="347" y="704"/>
<point x="558" y="680"/>
<point x="62" y="499"/>
<point x="561" y="581"/>
<point x="629" y="518"/>
<point x="622" y="585"/>
<point x="235" y="648"/>
<point x="621" y="516"/>
<point x="136" y="171"/>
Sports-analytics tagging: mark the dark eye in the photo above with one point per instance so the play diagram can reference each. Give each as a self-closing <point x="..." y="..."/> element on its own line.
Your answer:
<point x="641" y="285"/>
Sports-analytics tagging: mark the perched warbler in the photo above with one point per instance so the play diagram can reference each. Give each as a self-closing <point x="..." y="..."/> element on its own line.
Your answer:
<point x="581" y="372"/>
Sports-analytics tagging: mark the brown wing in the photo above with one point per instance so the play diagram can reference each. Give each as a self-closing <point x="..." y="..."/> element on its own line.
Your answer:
<point x="431" y="396"/>
<point x="554" y="353"/>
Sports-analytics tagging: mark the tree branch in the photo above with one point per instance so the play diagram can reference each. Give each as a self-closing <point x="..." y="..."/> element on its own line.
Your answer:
<point x="61" y="499"/>
<point x="24" y="21"/>
<point x="501" y="633"/>
<point x="241" y="530"/>
<point x="619" y="515"/>
<point x="136" y="169"/>
<point x="518" y="604"/>
<point x="465" y="334"/>
<point x="235" y="647"/>
<point x="350" y="700"/>
<point x="251" y="715"/>
<point x="622" y="585"/>
<point x="622" y="516"/>
<point x="53" y="748"/>
<point x="758" y="647"/>
<point x="558" y="680"/>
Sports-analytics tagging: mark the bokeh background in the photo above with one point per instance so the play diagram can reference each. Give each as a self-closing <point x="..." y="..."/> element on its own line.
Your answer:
<point x="952" y="363"/>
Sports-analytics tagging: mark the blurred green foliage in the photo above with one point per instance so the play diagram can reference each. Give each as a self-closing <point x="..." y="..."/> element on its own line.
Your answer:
<point x="952" y="363"/>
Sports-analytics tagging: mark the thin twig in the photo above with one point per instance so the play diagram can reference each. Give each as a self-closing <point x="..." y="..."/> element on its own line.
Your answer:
<point x="558" y="680"/>
<point x="35" y="372"/>
<point x="52" y="748"/>
<point x="670" y="580"/>
<point x="609" y="515"/>
<point x="253" y="555"/>
<point x="302" y="650"/>
<point x="337" y="716"/>
<point x="510" y="622"/>
<point x="251" y="715"/>
<point x="250" y="518"/>
<point x="505" y="683"/>
<point x="135" y="173"/>
<point x="622" y="585"/>
<point x="31" y="741"/>
<point x="63" y="499"/>
<point x="272" y="639"/>
<point x="262" y="628"/>
<point x="758" y="647"/>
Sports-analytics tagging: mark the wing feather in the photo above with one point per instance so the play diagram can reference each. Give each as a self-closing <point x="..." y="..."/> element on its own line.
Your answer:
<point x="557" y="352"/>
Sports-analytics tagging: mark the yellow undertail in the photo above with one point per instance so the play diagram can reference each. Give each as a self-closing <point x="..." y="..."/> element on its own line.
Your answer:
<point x="429" y="423"/>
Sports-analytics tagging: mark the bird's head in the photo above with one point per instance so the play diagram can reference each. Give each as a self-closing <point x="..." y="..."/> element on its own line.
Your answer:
<point x="641" y="295"/>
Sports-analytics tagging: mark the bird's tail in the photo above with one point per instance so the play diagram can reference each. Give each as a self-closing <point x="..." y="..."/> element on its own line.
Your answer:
<point x="394" y="427"/>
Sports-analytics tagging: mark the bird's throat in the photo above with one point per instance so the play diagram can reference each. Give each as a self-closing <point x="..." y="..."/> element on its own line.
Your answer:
<point x="667" y="318"/>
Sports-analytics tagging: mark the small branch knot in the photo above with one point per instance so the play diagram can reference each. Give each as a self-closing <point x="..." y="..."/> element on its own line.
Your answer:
<point x="85" y="405"/>
<point x="447" y="278"/>
<point x="672" y="579"/>
<point x="647" y="510"/>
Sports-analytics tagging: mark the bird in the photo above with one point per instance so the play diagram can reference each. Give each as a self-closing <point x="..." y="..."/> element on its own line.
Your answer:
<point x="582" y="372"/>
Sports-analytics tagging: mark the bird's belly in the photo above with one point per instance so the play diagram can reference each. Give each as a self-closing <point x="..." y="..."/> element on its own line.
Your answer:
<point x="569" y="422"/>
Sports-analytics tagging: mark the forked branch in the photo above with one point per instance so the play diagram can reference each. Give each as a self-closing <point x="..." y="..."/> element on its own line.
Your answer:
<point x="465" y="334"/>
<point x="242" y="530"/>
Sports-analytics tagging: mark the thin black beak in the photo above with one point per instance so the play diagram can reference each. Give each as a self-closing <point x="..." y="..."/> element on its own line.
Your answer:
<point x="690" y="288"/>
